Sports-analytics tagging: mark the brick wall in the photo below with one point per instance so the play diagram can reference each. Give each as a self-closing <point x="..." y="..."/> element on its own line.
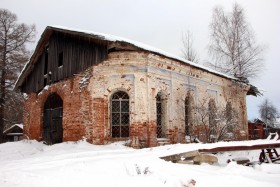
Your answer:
<point x="86" y="104"/>
<point x="77" y="111"/>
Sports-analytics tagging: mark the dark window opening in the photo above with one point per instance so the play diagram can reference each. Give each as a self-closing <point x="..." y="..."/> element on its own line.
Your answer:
<point x="187" y="114"/>
<point x="160" y="116"/>
<point x="45" y="81"/>
<point x="212" y="112"/>
<point x="113" y="49"/>
<point x="212" y="118"/>
<point x="229" y="117"/>
<point x="46" y="64"/>
<point x="120" y="115"/>
<point x="60" y="59"/>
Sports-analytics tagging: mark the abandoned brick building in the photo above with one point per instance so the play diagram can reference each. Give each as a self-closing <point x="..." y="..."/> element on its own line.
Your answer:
<point x="80" y="84"/>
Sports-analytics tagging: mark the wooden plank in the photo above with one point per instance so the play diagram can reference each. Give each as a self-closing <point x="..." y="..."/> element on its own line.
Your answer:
<point x="240" y="148"/>
<point x="177" y="157"/>
<point x="78" y="55"/>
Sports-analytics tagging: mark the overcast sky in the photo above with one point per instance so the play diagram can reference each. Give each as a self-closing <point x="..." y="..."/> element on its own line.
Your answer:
<point x="160" y="23"/>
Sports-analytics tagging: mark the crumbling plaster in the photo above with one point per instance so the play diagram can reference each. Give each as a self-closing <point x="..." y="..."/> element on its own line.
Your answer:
<point x="142" y="75"/>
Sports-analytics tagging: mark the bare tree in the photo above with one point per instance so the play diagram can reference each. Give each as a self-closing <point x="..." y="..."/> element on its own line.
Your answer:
<point x="13" y="55"/>
<point x="188" y="51"/>
<point x="268" y="113"/>
<point x="232" y="44"/>
<point x="214" y="123"/>
<point x="213" y="118"/>
<point x="201" y="124"/>
<point x="13" y="108"/>
<point x="227" y="123"/>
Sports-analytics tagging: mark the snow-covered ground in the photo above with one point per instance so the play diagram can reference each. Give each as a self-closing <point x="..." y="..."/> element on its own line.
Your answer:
<point x="33" y="164"/>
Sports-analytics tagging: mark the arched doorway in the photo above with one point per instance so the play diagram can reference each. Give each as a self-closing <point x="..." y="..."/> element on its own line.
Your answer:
<point x="52" y="125"/>
<point x="120" y="115"/>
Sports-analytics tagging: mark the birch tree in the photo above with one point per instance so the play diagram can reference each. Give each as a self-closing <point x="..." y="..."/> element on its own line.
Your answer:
<point x="232" y="44"/>
<point x="268" y="113"/>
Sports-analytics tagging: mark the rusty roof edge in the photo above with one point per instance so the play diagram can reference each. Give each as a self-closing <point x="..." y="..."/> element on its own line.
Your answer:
<point x="254" y="91"/>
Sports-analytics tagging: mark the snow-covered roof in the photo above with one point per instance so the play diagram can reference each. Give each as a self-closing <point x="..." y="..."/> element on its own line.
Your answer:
<point x="140" y="45"/>
<point x="111" y="39"/>
<point x="13" y="126"/>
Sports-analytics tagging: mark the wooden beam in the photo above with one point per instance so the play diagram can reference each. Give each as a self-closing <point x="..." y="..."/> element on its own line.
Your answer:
<point x="240" y="148"/>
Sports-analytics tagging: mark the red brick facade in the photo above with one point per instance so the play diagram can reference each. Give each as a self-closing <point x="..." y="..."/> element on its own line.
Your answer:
<point x="83" y="117"/>
<point x="145" y="132"/>
<point x="77" y="111"/>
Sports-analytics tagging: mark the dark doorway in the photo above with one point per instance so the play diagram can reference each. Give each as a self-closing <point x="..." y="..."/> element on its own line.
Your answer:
<point x="52" y="126"/>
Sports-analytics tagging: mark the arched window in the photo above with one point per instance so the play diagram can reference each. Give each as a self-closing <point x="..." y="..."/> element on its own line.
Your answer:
<point x="120" y="115"/>
<point x="230" y="122"/>
<point x="188" y="114"/>
<point x="212" y="114"/>
<point x="160" y="116"/>
<point x="229" y="112"/>
<point x="52" y="124"/>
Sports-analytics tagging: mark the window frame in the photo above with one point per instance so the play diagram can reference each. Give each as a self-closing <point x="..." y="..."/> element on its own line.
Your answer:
<point x="120" y="115"/>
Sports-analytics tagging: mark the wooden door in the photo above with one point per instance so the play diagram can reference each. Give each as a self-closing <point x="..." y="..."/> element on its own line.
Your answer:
<point x="52" y="127"/>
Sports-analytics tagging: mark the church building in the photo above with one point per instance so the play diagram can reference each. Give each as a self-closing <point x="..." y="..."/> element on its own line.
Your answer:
<point x="103" y="88"/>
